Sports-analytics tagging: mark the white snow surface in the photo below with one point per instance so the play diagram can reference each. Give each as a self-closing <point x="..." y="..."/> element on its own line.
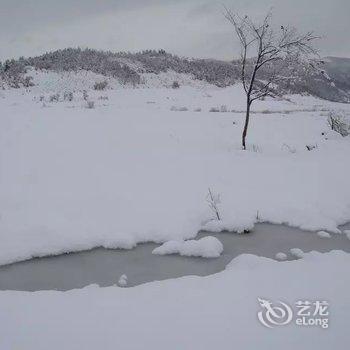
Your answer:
<point x="191" y="313"/>
<point x="131" y="170"/>
<point x="206" y="247"/>
<point x="59" y="82"/>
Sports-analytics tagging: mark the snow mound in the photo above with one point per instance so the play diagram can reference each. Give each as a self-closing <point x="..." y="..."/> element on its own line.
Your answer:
<point x="207" y="247"/>
<point x="323" y="234"/>
<point x="297" y="252"/>
<point x="240" y="224"/>
<point x="281" y="256"/>
<point x="123" y="280"/>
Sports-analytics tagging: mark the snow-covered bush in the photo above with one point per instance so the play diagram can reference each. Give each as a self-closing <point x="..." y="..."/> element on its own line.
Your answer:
<point x="54" y="98"/>
<point x="179" y="109"/>
<point x="68" y="96"/>
<point x="311" y="147"/>
<point x="85" y="95"/>
<point x="175" y="85"/>
<point x="339" y="123"/>
<point x="90" y="104"/>
<point x="101" y="85"/>
<point x="223" y="109"/>
<point x="28" y="81"/>
<point x="288" y="148"/>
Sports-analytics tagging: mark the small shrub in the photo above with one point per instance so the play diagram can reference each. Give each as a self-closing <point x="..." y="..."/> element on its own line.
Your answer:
<point x="68" y="96"/>
<point x="339" y="123"/>
<point x="255" y="149"/>
<point x="214" y="110"/>
<point x="179" y="109"/>
<point x="85" y="95"/>
<point x="289" y="148"/>
<point x="101" y="85"/>
<point x="54" y="98"/>
<point x="311" y="147"/>
<point x="27" y="82"/>
<point x="223" y="109"/>
<point x="198" y="110"/>
<point x="90" y="104"/>
<point x="175" y="85"/>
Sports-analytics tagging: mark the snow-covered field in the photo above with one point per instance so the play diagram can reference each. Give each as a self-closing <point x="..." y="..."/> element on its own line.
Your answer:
<point x="137" y="167"/>
<point x="191" y="313"/>
<point x="132" y="170"/>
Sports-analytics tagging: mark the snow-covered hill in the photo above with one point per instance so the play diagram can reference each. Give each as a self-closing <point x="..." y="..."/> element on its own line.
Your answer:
<point x="76" y="69"/>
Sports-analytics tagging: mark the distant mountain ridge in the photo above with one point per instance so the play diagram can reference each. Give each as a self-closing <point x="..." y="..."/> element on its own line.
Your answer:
<point x="128" y="68"/>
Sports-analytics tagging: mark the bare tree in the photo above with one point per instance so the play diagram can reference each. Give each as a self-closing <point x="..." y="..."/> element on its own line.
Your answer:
<point x="268" y="51"/>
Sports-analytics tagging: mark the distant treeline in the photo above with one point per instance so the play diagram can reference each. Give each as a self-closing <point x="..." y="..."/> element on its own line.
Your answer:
<point x="126" y="67"/>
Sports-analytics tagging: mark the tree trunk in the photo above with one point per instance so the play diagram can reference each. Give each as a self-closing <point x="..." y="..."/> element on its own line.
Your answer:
<point x="245" y="130"/>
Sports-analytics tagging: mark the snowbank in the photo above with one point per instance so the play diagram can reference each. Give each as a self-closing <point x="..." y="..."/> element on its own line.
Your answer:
<point x="197" y="313"/>
<point x="297" y="253"/>
<point x="323" y="234"/>
<point x="206" y="247"/>
<point x="281" y="256"/>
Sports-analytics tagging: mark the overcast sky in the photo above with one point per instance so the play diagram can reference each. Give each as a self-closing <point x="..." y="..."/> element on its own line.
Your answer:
<point x="194" y="28"/>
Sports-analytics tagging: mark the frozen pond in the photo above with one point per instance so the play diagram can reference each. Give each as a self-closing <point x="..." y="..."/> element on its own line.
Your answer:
<point x="105" y="266"/>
